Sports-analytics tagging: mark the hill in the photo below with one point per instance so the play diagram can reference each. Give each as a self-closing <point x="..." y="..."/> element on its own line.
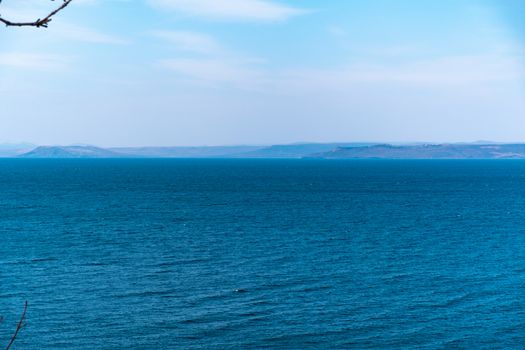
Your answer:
<point x="71" y="152"/>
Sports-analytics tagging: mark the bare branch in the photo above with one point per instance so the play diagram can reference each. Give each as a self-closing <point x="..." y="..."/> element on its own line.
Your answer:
<point x="18" y="328"/>
<point x="44" y="22"/>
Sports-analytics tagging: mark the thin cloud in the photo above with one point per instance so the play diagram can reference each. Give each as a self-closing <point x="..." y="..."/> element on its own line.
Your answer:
<point x="453" y="71"/>
<point x="33" y="61"/>
<point x="243" y="10"/>
<point x="215" y="72"/>
<point x="85" y="34"/>
<point x="190" y="41"/>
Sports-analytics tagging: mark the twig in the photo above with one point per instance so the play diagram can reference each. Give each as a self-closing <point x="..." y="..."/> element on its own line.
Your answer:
<point x="18" y="327"/>
<point x="39" y="22"/>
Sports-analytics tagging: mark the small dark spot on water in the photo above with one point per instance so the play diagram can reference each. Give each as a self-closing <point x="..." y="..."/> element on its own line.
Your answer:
<point x="43" y="260"/>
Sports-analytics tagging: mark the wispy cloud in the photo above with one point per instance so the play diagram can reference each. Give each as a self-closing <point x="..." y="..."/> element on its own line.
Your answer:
<point x="243" y="10"/>
<point x="190" y="41"/>
<point x="452" y="71"/>
<point x="456" y="73"/>
<point x="336" y="30"/>
<point x="208" y="62"/>
<point x="215" y="72"/>
<point x="33" y="61"/>
<point x="86" y="34"/>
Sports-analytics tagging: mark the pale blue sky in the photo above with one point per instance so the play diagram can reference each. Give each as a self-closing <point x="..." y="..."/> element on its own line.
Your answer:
<point x="216" y="72"/>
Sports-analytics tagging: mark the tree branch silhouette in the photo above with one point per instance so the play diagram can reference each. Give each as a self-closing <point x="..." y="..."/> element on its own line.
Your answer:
<point x="44" y="22"/>
<point x="18" y="328"/>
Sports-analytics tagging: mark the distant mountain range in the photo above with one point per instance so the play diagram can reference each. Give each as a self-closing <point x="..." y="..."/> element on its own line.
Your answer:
<point x="299" y="150"/>
<point x="306" y="150"/>
<point x="436" y="151"/>
<point x="276" y="151"/>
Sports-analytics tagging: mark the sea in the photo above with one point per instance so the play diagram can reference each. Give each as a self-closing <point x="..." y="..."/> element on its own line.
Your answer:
<point x="262" y="254"/>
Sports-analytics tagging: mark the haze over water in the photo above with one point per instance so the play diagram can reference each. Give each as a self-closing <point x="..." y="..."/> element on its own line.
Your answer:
<point x="260" y="254"/>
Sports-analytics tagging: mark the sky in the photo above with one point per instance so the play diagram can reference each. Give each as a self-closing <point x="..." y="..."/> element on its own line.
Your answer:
<point x="231" y="72"/>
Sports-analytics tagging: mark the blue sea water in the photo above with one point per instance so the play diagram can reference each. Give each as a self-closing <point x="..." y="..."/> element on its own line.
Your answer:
<point x="263" y="254"/>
